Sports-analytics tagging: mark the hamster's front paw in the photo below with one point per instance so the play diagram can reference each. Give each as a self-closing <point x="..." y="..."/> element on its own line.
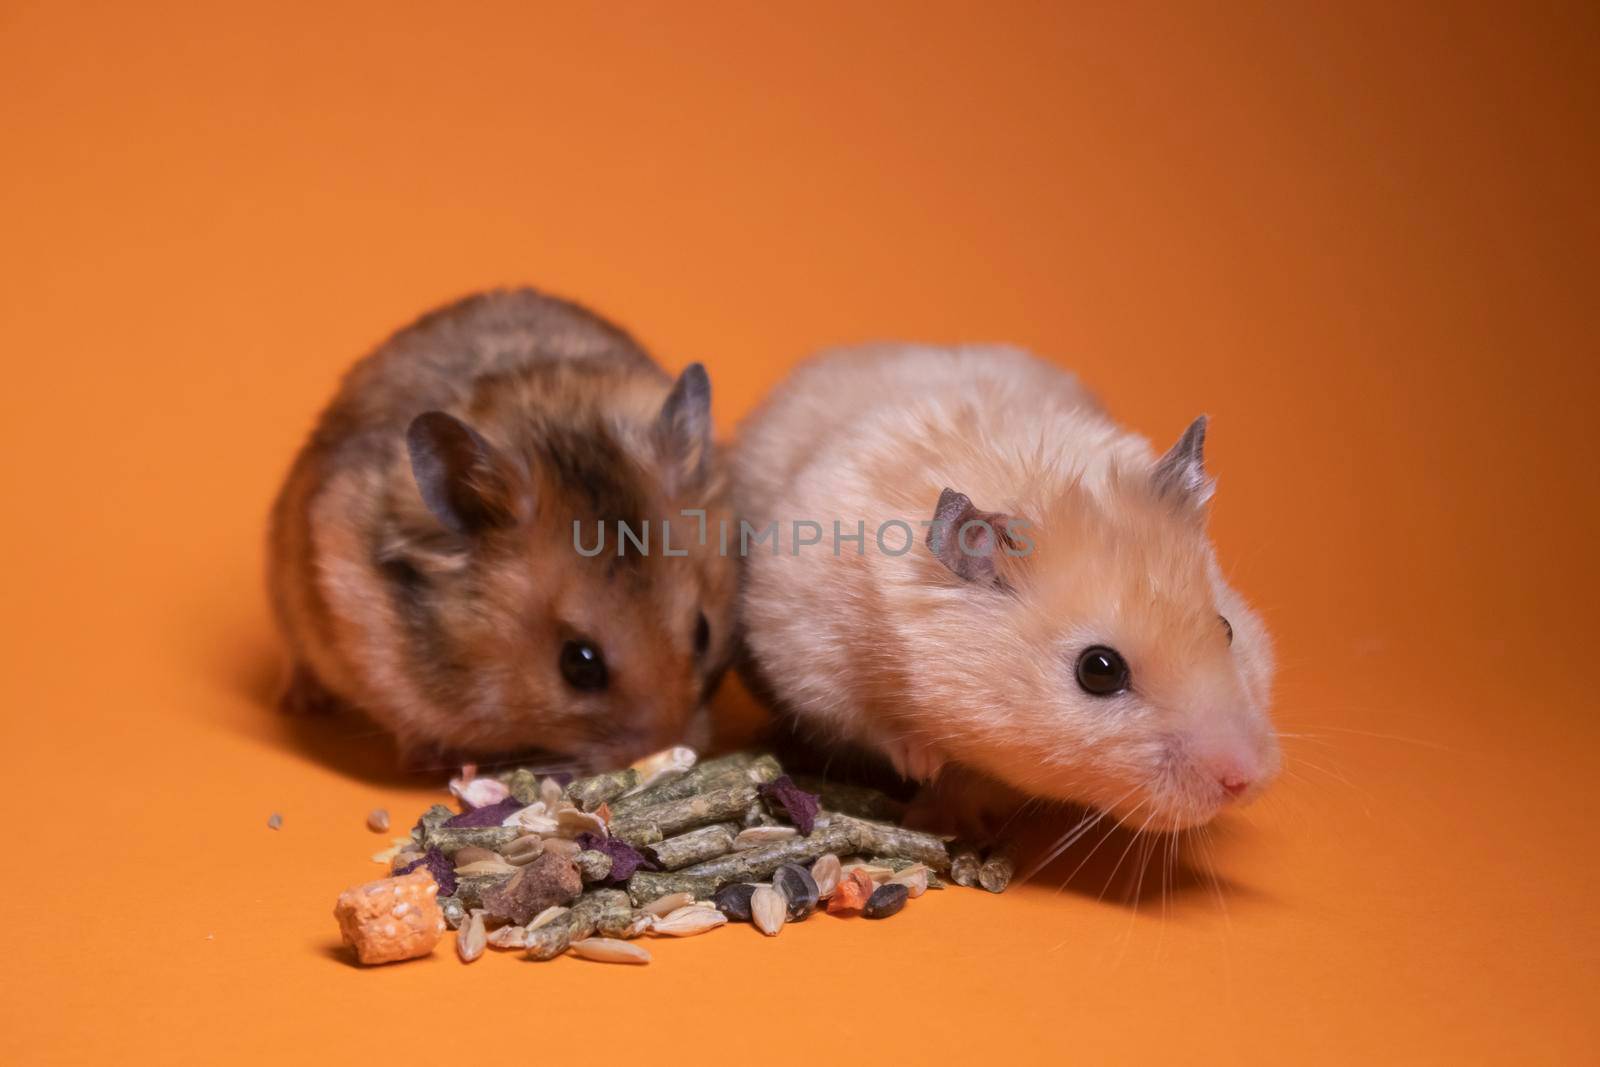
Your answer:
<point x="915" y="761"/>
<point x="966" y="804"/>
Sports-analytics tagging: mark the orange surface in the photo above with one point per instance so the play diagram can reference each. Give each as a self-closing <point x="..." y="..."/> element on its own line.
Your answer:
<point x="1363" y="239"/>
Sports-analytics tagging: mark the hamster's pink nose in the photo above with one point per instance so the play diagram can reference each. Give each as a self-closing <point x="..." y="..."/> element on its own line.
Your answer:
<point x="1233" y="785"/>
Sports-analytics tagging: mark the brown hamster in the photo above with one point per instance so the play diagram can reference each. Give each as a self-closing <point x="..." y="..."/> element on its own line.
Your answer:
<point x="1079" y="644"/>
<point x="424" y="553"/>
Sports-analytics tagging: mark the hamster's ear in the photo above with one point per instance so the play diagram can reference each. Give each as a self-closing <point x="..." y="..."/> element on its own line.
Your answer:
<point x="971" y="543"/>
<point x="465" y="481"/>
<point x="1180" y="475"/>
<point x="683" y="429"/>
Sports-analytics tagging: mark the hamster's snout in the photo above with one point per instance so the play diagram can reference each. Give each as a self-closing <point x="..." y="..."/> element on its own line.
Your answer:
<point x="1240" y="767"/>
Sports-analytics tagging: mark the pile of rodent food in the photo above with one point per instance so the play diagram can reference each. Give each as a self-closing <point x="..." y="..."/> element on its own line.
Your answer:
<point x="669" y="847"/>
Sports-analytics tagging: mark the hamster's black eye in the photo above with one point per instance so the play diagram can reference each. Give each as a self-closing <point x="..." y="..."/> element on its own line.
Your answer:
<point x="1102" y="671"/>
<point x="583" y="666"/>
<point x="702" y="634"/>
<point x="1228" y="626"/>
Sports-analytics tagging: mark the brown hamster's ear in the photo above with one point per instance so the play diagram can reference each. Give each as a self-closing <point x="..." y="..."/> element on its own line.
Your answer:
<point x="1180" y="475"/>
<point x="683" y="429"/>
<point x="970" y="542"/>
<point x="465" y="481"/>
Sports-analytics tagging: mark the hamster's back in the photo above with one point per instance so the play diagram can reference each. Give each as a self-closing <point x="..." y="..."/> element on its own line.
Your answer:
<point x="846" y="402"/>
<point x="437" y="361"/>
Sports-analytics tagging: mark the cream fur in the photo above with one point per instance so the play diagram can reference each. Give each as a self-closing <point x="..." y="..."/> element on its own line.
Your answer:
<point x="897" y="653"/>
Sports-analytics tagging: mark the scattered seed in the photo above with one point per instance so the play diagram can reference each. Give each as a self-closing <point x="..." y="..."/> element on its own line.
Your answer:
<point x="509" y="937"/>
<point x="688" y="921"/>
<point x="826" y="872"/>
<point x="523" y="850"/>
<point x="670" y="762"/>
<point x="479" y="792"/>
<point x="472" y="854"/>
<point x="914" y="878"/>
<point x="733" y="901"/>
<point x="377" y="820"/>
<point x="554" y="911"/>
<point x="274" y="821"/>
<point x="885" y="901"/>
<point x="768" y="910"/>
<point x="471" y="938"/>
<point x="668" y="904"/>
<point x="756" y="836"/>
<point x="799" y="890"/>
<point x="609" y="950"/>
<point x="877" y="872"/>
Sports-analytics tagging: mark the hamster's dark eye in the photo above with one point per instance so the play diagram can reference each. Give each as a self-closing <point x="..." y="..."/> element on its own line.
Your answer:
<point x="702" y="634"/>
<point x="1228" y="626"/>
<point x="1102" y="671"/>
<point x="583" y="666"/>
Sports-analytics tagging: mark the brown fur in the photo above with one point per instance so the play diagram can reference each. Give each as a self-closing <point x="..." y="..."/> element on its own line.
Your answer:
<point x="451" y="640"/>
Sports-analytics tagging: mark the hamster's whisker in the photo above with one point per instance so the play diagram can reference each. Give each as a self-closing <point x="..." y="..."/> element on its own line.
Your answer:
<point x="1103" y="839"/>
<point x="1075" y="833"/>
<point x="1424" y="742"/>
<point x="1126" y="849"/>
<point x="1204" y="840"/>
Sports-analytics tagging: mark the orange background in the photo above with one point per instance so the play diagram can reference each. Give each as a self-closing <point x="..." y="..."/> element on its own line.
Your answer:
<point x="1364" y="239"/>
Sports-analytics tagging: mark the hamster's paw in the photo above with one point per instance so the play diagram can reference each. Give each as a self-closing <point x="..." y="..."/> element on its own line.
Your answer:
<point x="968" y="805"/>
<point x="914" y="760"/>
<point x="304" y="694"/>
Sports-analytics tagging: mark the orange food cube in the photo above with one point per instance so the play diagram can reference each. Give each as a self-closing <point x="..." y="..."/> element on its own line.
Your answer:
<point x="852" y="892"/>
<point x="392" y="918"/>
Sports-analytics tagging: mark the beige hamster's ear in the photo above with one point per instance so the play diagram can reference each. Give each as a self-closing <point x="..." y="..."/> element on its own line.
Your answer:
<point x="973" y="543"/>
<point x="465" y="481"/>
<point x="683" y="429"/>
<point x="1181" y="474"/>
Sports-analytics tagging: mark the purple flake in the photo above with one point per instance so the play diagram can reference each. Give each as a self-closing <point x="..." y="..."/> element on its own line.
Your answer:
<point x="488" y="815"/>
<point x="801" y="807"/>
<point x="625" y="859"/>
<point x="438" y="865"/>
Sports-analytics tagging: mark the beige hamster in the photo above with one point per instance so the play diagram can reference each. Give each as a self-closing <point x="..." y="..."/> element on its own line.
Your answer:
<point x="424" y="560"/>
<point x="1078" y="644"/>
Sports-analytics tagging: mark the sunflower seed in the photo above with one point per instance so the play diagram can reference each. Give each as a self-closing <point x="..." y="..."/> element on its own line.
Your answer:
<point x="734" y="901"/>
<point x="876" y="872"/>
<point x="688" y="921"/>
<point x="524" y="849"/>
<point x="377" y="820"/>
<point x="826" y="872"/>
<point x="914" y="878"/>
<point x="668" y="904"/>
<point x="471" y="938"/>
<point x="767" y="910"/>
<point x="572" y="822"/>
<point x="609" y="950"/>
<point x="799" y="890"/>
<point x="555" y="911"/>
<point x="885" y="901"/>
<point x="653" y="768"/>
<point x="492" y="866"/>
<point x="755" y="836"/>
